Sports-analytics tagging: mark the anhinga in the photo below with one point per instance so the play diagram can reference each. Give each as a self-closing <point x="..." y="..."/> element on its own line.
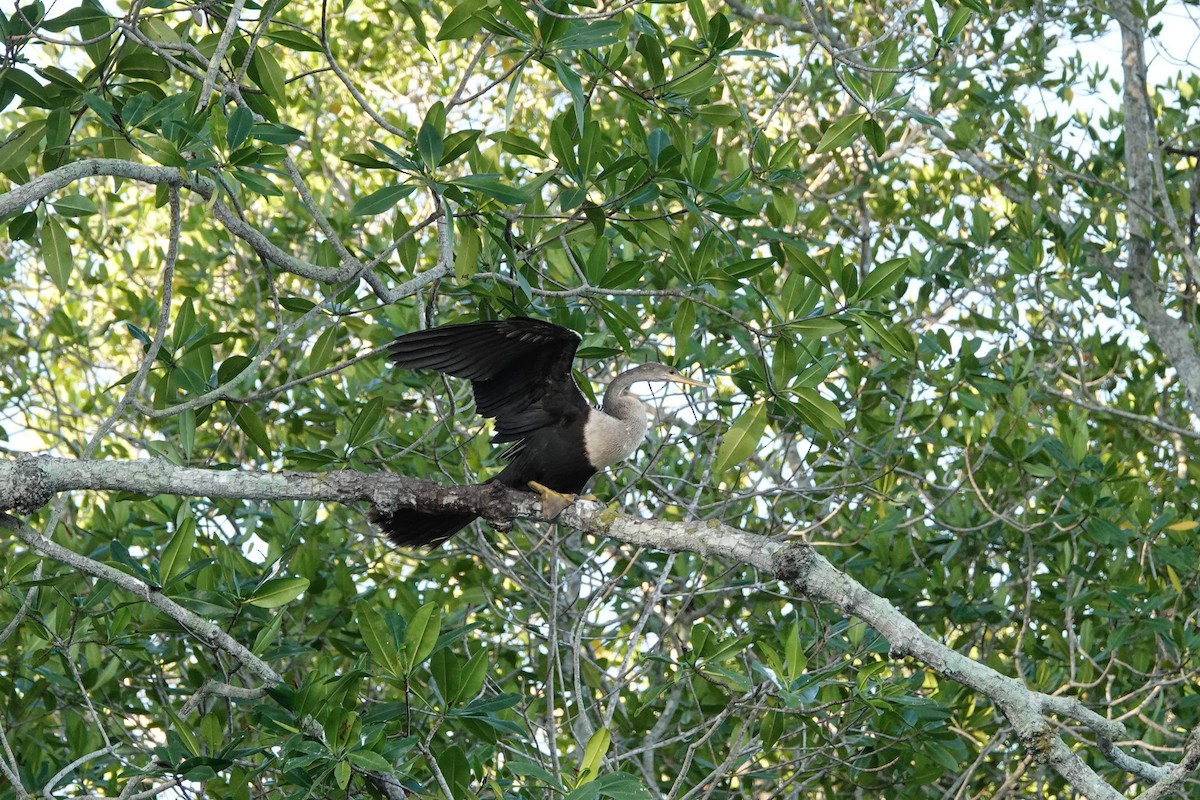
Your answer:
<point x="520" y="371"/>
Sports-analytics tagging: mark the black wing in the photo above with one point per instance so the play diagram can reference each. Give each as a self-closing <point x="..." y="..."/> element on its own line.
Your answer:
<point x="519" y="368"/>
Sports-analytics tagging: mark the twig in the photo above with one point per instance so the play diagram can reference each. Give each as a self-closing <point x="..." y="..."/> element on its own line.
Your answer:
<point x="214" y="63"/>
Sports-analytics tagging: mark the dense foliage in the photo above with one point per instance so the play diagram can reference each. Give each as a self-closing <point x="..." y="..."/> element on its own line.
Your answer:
<point x="949" y="327"/>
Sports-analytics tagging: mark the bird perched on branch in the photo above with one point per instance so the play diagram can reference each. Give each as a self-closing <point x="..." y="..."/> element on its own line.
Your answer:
<point x="520" y="371"/>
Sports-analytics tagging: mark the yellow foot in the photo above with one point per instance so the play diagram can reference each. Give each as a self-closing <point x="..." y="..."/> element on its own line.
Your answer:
<point x="553" y="502"/>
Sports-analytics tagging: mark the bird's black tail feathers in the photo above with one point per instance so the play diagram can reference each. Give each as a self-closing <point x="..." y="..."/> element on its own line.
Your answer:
<point x="407" y="527"/>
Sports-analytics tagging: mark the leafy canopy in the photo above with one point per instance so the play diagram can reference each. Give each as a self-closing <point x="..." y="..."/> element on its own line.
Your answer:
<point x="890" y="234"/>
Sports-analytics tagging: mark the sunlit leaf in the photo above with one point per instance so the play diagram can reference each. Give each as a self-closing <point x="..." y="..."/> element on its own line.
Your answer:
<point x="56" y="254"/>
<point x="841" y="132"/>
<point x="277" y="592"/>
<point x="742" y="438"/>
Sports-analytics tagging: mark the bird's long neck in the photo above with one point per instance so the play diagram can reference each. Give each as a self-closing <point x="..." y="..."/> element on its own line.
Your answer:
<point x="619" y="426"/>
<point x="625" y="407"/>
<point x="616" y="397"/>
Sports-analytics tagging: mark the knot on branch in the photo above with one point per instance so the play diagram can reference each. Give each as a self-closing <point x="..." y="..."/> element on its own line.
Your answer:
<point x="792" y="565"/>
<point x="1039" y="743"/>
<point x="26" y="487"/>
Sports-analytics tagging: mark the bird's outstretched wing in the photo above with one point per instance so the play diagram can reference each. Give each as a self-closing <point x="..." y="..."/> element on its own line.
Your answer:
<point x="519" y="368"/>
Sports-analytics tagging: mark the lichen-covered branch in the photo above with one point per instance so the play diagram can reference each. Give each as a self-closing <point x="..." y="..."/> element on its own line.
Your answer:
<point x="198" y="626"/>
<point x="1172" y="335"/>
<point x="28" y="483"/>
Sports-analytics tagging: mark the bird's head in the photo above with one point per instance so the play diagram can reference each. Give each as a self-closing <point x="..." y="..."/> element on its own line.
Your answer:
<point x="660" y="372"/>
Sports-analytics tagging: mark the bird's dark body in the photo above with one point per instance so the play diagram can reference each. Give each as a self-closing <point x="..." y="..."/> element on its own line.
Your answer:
<point x="551" y="457"/>
<point x="520" y="372"/>
<point x="518" y="368"/>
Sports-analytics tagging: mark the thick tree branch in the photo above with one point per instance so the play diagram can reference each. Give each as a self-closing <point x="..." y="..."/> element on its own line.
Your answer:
<point x="203" y="629"/>
<point x="28" y="483"/>
<point x="46" y="184"/>
<point x="1171" y="334"/>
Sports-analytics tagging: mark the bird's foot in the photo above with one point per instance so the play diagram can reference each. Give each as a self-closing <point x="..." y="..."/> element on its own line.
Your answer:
<point x="553" y="503"/>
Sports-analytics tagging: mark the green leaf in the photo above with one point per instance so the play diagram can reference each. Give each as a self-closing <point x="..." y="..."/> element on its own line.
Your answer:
<point x="185" y="322"/>
<point x="593" y="755"/>
<point x="957" y="22"/>
<point x="822" y="414"/>
<point x="793" y="654"/>
<point x="841" y="132"/>
<point x="882" y="83"/>
<point x="75" y="205"/>
<point x="267" y="636"/>
<point x="530" y="769"/>
<point x="264" y="70"/>
<point x="20" y="143"/>
<point x="381" y="200"/>
<point x="492" y="186"/>
<point x="816" y="327"/>
<point x="875" y="136"/>
<point x="376" y="634"/>
<point x="456" y="144"/>
<point x="582" y="35"/>
<point x="930" y="13"/>
<point x="178" y="551"/>
<point x="277" y="592"/>
<point x="429" y="145"/>
<point x="741" y="439"/>
<point x="409" y="248"/>
<point x="138" y="333"/>
<point x="732" y="680"/>
<point x="466" y="253"/>
<point x="894" y="341"/>
<point x="183" y="731"/>
<point x="322" y="350"/>
<point x="56" y="254"/>
<point x="422" y="634"/>
<point x="772" y="727"/>
<point x="369" y="759"/>
<point x="158" y="30"/>
<point x="462" y="21"/>
<point x="452" y="761"/>
<point x="570" y="80"/>
<point x="366" y="162"/>
<point x="694" y="79"/>
<point x="23" y="227"/>
<point x="257" y="183"/>
<point x="519" y="145"/>
<point x="419" y="33"/>
<point x="805" y="265"/>
<point x="473" y="675"/>
<point x="252" y="426"/>
<point x="241" y="121"/>
<point x="275" y="133"/>
<point x="294" y="40"/>
<point x="882" y="278"/>
<point x="366" y="423"/>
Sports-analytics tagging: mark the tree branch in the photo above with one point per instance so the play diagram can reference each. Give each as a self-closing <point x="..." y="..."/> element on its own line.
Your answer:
<point x="208" y="632"/>
<point x="28" y="483"/>
<point x="46" y="184"/>
<point x="1172" y="335"/>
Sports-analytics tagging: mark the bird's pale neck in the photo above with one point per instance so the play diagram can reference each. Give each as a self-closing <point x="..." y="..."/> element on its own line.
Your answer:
<point x="616" y="430"/>
<point x="625" y="407"/>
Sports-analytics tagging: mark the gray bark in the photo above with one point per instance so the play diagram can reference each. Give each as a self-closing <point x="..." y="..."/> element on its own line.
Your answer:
<point x="28" y="483"/>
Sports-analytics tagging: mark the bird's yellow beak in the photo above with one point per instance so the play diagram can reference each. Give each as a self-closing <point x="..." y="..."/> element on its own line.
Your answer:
<point x="686" y="381"/>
